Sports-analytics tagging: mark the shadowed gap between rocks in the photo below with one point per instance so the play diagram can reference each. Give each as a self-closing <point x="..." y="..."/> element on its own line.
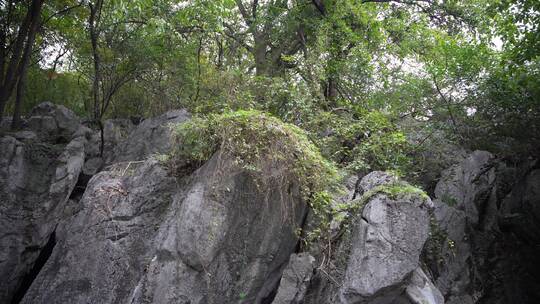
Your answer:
<point x="29" y="278"/>
<point x="270" y="298"/>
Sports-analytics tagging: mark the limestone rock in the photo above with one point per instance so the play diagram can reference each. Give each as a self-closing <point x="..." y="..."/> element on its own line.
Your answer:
<point x="151" y="136"/>
<point x="487" y="218"/>
<point x="422" y="291"/>
<point x="143" y="237"/>
<point x="385" y="245"/>
<point x="374" y="179"/>
<point x="36" y="180"/>
<point x="53" y="122"/>
<point x="295" y="279"/>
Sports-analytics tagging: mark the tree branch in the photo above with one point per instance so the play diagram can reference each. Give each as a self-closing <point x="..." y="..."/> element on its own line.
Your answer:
<point x="247" y="18"/>
<point x="236" y="38"/>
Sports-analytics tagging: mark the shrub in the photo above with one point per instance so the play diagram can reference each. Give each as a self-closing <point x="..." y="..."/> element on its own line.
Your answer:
<point x="396" y="190"/>
<point x="261" y="144"/>
<point x="361" y="141"/>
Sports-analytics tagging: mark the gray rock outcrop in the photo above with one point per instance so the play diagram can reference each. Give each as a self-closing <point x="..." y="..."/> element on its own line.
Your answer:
<point x="421" y="290"/>
<point x="125" y="227"/>
<point x="144" y="238"/>
<point x="386" y="245"/>
<point x="486" y="227"/>
<point x="37" y="176"/>
<point x="295" y="279"/>
<point x="151" y="136"/>
<point x="376" y="257"/>
<point x="44" y="169"/>
<point x="53" y="123"/>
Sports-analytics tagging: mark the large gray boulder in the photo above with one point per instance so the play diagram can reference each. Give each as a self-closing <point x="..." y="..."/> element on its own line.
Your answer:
<point x="145" y="237"/>
<point x="386" y="245"/>
<point x="54" y="123"/>
<point x="115" y="131"/>
<point x="107" y="245"/>
<point x="462" y="193"/>
<point x="421" y="290"/>
<point x="151" y="136"/>
<point x="375" y="255"/>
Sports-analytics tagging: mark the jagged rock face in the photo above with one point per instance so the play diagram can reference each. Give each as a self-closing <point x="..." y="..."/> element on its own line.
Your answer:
<point x="143" y="237"/>
<point x="115" y="131"/>
<point x="141" y="234"/>
<point x="226" y="241"/>
<point x="36" y="180"/>
<point x="125" y="141"/>
<point x="151" y="136"/>
<point x="108" y="243"/>
<point x="53" y="122"/>
<point x="465" y="190"/>
<point x="421" y="290"/>
<point x="40" y="166"/>
<point x="295" y="279"/>
<point x="377" y="258"/>
<point x="386" y="245"/>
<point x="486" y="214"/>
<point x="375" y="179"/>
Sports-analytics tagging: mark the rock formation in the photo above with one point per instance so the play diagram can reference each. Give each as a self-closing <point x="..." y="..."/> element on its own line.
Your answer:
<point x="378" y="256"/>
<point x="39" y="169"/>
<point x="487" y="232"/>
<point x="125" y="227"/>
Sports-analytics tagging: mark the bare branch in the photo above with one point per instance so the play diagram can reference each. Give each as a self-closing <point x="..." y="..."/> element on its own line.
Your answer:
<point x="247" y="18"/>
<point x="230" y="34"/>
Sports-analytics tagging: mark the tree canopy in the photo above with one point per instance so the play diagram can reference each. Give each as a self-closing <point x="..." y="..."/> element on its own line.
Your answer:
<point x="354" y="74"/>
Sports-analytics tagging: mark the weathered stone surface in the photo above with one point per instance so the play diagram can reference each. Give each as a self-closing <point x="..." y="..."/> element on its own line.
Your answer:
<point x="24" y="135"/>
<point x="151" y="136"/>
<point x="53" y="122"/>
<point x="374" y="179"/>
<point x="462" y="194"/>
<point x="142" y="238"/>
<point x="487" y="216"/>
<point x="140" y="235"/>
<point x="386" y="246"/>
<point x="36" y="180"/>
<point x="351" y="192"/>
<point x="467" y="185"/>
<point x="92" y="166"/>
<point x="520" y="210"/>
<point x="5" y="123"/>
<point x="108" y="243"/>
<point x="115" y="131"/>
<point x="376" y="255"/>
<point x="421" y="290"/>
<point x="295" y="279"/>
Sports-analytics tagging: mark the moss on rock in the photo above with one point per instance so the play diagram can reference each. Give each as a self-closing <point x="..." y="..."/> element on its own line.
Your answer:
<point x="396" y="190"/>
<point x="260" y="144"/>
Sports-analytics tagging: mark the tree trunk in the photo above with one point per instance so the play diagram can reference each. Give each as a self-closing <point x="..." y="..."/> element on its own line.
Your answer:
<point x="93" y="22"/>
<point x="23" y="70"/>
<point x="16" y="64"/>
<point x="16" y="121"/>
<point x="259" y="54"/>
<point x="330" y="89"/>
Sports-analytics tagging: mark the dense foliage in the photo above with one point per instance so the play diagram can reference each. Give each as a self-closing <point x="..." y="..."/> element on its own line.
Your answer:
<point x="262" y="145"/>
<point x="354" y="75"/>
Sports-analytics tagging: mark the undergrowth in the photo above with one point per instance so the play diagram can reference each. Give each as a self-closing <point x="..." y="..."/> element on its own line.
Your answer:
<point x="260" y="144"/>
<point x="361" y="141"/>
<point x="396" y="190"/>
